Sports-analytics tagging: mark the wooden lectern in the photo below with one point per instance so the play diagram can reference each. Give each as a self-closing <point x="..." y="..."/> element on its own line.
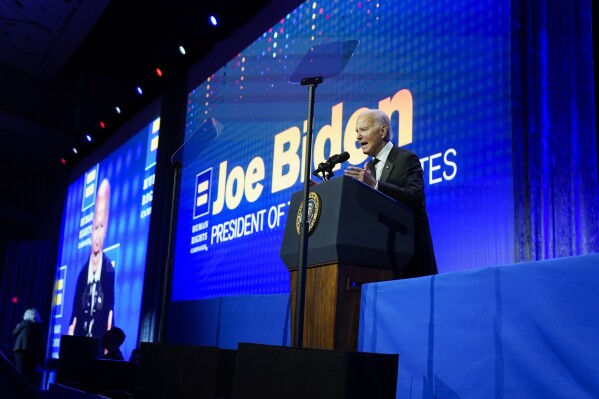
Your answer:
<point x="357" y="236"/>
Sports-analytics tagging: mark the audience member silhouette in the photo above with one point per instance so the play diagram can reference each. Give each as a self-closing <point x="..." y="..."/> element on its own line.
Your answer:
<point x="111" y="342"/>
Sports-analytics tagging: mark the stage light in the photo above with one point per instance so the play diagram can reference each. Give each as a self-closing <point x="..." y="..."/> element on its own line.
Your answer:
<point x="213" y="20"/>
<point x="74" y="150"/>
<point x="117" y="109"/>
<point x="102" y="125"/>
<point x="159" y="72"/>
<point x="63" y="161"/>
<point x="88" y="137"/>
<point x="182" y="50"/>
<point x="139" y="90"/>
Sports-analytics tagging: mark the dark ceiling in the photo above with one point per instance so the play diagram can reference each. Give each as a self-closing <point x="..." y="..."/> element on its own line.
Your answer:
<point x="64" y="65"/>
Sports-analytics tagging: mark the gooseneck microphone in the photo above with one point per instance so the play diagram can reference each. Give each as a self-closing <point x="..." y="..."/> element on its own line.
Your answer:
<point x="327" y="167"/>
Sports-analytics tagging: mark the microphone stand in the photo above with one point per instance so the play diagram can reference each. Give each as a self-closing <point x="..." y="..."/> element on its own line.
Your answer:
<point x="300" y="300"/>
<point x="207" y="132"/>
<point x="324" y="177"/>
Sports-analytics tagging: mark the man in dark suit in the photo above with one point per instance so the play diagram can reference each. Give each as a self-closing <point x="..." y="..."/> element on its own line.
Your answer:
<point x="93" y="304"/>
<point x="397" y="173"/>
<point x="28" y="346"/>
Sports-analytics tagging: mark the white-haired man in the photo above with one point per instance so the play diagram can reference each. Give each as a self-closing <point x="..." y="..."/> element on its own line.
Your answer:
<point x="396" y="172"/>
<point x="93" y="304"/>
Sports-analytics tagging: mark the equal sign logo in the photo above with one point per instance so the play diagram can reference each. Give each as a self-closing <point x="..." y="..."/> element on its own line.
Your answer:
<point x="59" y="291"/>
<point x="153" y="137"/>
<point x="202" y="193"/>
<point x="89" y="188"/>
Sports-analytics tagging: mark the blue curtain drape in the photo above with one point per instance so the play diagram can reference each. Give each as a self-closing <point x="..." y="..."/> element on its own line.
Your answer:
<point x="29" y="270"/>
<point x="554" y="131"/>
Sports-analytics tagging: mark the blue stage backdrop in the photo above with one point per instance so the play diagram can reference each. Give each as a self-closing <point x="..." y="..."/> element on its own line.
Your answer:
<point x="130" y="171"/>
<point x="440" y="69"/>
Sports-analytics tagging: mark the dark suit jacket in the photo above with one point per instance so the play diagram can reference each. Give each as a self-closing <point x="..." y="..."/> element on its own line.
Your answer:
<point x="104" y="305"/>
<point x="28" y="336"/>
<point x="402" y="179"/>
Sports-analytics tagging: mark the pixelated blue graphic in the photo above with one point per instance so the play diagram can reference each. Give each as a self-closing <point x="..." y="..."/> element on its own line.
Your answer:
<point x="440" y="69"/>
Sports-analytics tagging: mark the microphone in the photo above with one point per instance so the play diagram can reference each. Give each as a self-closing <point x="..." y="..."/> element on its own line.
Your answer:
<point x="331" y="162"/>
<point x="339" y="158"/>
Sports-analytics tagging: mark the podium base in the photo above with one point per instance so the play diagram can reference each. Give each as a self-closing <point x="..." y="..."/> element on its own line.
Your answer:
<point x="332" y="306"/>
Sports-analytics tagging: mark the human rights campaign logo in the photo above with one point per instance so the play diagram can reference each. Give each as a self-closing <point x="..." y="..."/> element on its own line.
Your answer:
<point x="152" y="144"/>
<point x="202" y="194"/>
<point x="89" y="189"/>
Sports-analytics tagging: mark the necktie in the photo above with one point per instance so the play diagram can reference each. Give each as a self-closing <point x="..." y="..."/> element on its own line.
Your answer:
<point x="373" y="163"/>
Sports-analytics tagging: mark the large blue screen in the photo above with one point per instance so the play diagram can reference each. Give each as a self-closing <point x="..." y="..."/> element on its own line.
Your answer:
<point x="129" y="171"/>
<point x="440" y="69"/>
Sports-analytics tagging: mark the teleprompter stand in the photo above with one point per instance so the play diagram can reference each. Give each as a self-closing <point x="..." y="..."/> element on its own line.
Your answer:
<point x="321" y="62"/>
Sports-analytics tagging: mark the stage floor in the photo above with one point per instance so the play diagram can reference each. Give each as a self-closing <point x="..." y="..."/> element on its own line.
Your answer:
<point x="528" y="330"/>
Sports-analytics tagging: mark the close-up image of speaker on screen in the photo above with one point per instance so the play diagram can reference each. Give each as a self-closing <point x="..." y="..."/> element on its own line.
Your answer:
<point x="105" y="231"/>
